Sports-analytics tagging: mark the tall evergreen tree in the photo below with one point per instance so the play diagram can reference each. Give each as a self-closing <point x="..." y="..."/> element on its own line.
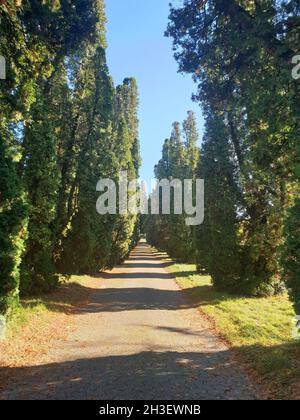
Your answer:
<point x="242" y="67"/>
<point x="179" y="162"/>
<point x="217" y="244"/>
<point x="125" y="231"/>
<point x="41" y="179"/>
<point x="192" y="150"/>
<point x="43" y="129"/>
<point x="81" y="252"/>
<point x="13" y="223"/>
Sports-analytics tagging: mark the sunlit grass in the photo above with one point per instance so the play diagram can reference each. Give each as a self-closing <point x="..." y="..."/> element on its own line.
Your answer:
<point x="24" y="313"/>
<point x="69" y="293"/>
<point x="259" y="329"/>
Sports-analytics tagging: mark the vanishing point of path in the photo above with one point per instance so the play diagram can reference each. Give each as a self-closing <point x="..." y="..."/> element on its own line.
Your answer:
<point x="138" y="338"/>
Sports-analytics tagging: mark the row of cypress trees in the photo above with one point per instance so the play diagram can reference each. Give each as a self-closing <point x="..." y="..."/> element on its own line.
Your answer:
<point x="63" y="125"/>
<point x="180" y="156"/>
<point x="240" y="55"/>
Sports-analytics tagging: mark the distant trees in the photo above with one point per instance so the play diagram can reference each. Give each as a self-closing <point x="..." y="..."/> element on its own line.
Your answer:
<point x="63" y="126"/>
<point x="240" y="55"/>
<point x="180" y="156"/>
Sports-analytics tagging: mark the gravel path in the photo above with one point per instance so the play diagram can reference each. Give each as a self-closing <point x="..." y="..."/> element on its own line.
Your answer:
<point x="138" y="338"/>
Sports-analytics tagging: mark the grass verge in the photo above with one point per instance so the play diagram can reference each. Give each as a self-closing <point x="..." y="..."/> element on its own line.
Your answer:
<point x="38" y="321"/>
<point x="258" y="329"/>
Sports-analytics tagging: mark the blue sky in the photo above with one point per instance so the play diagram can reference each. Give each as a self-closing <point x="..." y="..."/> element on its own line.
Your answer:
<point x="137" y="48"/>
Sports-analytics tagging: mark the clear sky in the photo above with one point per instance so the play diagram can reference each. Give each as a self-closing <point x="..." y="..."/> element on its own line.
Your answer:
<point x="137" y="48"/>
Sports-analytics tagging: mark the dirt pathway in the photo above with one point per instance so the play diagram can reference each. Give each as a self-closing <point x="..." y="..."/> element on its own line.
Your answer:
<point x="138" y="338"/>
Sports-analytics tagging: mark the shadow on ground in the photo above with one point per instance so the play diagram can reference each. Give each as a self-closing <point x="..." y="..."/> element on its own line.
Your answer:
<point x="69" y="296"/>
<point x="147" y="375"/>
<point x="133" y="299"/>
<point x="64" y="299"/>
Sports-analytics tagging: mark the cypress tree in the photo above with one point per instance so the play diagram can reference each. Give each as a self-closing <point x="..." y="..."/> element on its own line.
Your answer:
<point x="218" y="250"/>
<point x="13" y="223"/>
<point x="41" y="180"/>
<point x="179" y="161"/>
<point x="82" y="250"/>
<point x="241" y="66"/>
<point x="125" y="123"/>
<point x="192" y="150"/>
<point x="29" y="80"/>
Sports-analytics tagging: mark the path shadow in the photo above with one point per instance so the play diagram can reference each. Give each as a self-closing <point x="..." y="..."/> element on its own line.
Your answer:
<point x="65" y="298"/>
<point x="144" y="258"/>
<point x="113" y="275"/>
<point x="147" y="375"/>
<point x="181" y="331"/>
<point x="130" y="264"/>
<point x="133" y="299"/>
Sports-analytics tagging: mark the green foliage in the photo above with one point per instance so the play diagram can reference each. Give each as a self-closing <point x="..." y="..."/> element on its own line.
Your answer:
<point x="291" y="254"/>
<point x="218" y="251"/>
<point x="63" y="126"/>
<point x="108" y="133"/>
<point x="41" y="179"/>
<point x="13" y="224"/>
<point x="179" y="160"/>
<point x="81" y="248"/>
<point x="241" y="64"/>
